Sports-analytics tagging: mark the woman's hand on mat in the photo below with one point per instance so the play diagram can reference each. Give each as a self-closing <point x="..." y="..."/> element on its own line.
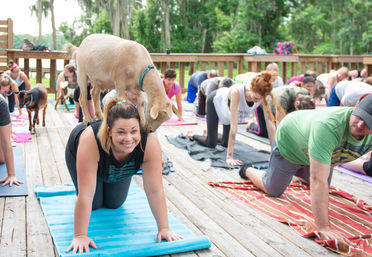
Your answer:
<point x="10" y="180"/>
<point x="81" y="244"/>
<point x="168" y="235"/>
<point x="231" y="161"/>
<point x="327" y="233"/>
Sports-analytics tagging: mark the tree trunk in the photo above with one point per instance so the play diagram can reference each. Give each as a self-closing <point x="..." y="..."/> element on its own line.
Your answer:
<point x="116" y="19"/>
<point x="204" y="39"/>
<point x="39" y="14"/>
<point x="53" y="24"/>
<point x="165" y="4"/>
<point x="124" y="19"/>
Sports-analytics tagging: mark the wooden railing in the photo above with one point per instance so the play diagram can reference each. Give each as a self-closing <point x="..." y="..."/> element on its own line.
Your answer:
<point x="226" y="64"/>
<point x="6" y="41"/>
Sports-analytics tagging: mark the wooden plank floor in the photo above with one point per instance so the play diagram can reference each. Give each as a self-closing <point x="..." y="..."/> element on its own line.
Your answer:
<point x="234" y="228"/>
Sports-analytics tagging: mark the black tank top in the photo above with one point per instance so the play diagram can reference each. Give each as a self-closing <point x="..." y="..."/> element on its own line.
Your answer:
<point x="111" y="170"/>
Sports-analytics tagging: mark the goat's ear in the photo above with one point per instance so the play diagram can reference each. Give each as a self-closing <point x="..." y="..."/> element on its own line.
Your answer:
<point x="154" y="112"/>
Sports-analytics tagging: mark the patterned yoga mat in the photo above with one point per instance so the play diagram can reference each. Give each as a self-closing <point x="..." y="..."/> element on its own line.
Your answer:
<point x="348" y="214"/>
<point x="20" y="132"/>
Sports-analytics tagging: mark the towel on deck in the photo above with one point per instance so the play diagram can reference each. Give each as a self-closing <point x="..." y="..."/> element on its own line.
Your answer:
<point x="348" y="214"/>
<point x="217" y="155"/>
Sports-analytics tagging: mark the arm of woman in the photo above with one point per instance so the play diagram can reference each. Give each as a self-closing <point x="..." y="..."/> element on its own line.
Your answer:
<point x="179" y="104"/>
<point x="270" y="126"/>
<point x="234" y="102"/>
<point x="87" y="158"/>
<point x="153" y="184"/>
<point x="6" y="149"/>
<point x="331" y="82"/>
<point x="26" y="80"/>
<point x="58" y="84"/>
<point x="15" y="88"/>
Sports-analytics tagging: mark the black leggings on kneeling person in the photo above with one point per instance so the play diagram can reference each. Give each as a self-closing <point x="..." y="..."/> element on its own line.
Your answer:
<point x="212" y="138"/>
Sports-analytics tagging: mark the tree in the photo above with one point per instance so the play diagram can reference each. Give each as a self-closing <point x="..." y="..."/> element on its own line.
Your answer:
<point x="40" y="8"/>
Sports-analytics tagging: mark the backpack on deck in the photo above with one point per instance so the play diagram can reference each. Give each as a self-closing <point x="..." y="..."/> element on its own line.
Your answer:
<point x="285" y="48"/>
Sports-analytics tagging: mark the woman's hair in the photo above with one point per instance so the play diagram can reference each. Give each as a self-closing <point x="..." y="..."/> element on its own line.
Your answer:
<point x="319" y="89"/>
<point x="115" y="108"/>
<point x="307" y="79"/>
<point x="71" y="68"/>
<point x="263" y="86"/>
<point x="226" y="82"/>
<point x="4" y="81"/>
<point x="170" y="73"/>
<point x="305" y="102"/>
<point x="310" y="73"/>
<point x="12" y="64"/>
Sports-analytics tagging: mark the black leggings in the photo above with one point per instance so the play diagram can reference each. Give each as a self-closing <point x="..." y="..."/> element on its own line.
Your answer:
<point x="109" y="195"/>
<point x="201" y="103"/>
<point x="11" y="98"/>
<point x="76" y="99"/>
<point x="259" y="128"/>
<point x="212" y="138"/>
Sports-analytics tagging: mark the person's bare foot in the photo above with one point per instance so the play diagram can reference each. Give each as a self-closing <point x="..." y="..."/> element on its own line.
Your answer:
<point x="190" y="135"/>
<point x="205" y="132"/>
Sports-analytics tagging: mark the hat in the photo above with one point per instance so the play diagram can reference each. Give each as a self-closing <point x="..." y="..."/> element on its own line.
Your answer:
<point x="364" y="110"/>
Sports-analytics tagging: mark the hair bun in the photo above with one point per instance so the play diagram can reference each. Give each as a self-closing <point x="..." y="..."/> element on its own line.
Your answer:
<point x="266" y="76"/>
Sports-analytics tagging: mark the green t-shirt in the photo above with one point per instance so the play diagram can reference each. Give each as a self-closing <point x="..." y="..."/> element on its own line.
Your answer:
<point x="322" y="134"/>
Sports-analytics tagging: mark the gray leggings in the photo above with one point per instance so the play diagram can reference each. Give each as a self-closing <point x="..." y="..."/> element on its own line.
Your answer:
<point x="280" y="172"/>
<point x="109" y="195"/>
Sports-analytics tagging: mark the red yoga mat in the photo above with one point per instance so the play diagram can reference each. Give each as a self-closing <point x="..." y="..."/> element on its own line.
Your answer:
<point x="348" y="214"/>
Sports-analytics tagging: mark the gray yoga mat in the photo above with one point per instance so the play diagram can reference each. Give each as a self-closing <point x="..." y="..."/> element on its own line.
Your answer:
<point x="19" y="164"/>
<point x="243" y="131"/>
<point x="217" y="155"/>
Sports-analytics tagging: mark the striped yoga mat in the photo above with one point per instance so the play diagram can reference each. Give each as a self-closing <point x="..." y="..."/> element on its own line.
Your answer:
<point x="348" y="214"/>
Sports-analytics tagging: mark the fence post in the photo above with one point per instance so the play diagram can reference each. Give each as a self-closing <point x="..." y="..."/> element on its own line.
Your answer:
<point x="10" y="34"/>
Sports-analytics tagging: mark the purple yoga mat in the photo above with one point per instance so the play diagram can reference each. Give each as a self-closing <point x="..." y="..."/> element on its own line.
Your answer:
<point x="354" y="174"/>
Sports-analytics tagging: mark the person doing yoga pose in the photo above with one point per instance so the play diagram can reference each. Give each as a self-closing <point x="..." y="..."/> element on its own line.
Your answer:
<point x="102" y="158"/>
<point x="308" y="143"/>
<point x="6" y="151"/>
<point x="230" y="106"/>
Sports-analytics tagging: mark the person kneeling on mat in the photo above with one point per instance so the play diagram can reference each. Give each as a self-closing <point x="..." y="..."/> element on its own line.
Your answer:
<point x="308" y="143"/>
<point x="230" y="106"/>
<point x="102" y="158"/>
<point x="6" y="151"/>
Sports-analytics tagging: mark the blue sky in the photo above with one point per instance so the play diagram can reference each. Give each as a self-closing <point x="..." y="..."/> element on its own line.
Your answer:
<point x="24" y="23"/>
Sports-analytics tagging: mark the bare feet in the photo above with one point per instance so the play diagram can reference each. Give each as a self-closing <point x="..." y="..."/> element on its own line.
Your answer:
<point x="205" y="132"/>
<point x="190" y="135"/>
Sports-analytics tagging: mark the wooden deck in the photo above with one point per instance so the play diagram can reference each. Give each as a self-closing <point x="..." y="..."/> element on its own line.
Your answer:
<point x="234" y="228"/>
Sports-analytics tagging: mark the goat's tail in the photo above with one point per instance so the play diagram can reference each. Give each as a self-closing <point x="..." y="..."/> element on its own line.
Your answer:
<point x="70" y="49"/>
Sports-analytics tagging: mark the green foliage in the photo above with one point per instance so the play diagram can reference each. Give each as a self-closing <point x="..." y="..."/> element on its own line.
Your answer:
<point x="46" y="39"/>
<point x="228" y="26"/>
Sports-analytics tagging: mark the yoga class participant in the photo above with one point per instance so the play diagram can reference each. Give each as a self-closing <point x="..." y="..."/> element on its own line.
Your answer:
<point x="6" y="150"/>
<point x="308" y="143"/>
<point x="102" y="158"/>
<point x="230" y="106"/>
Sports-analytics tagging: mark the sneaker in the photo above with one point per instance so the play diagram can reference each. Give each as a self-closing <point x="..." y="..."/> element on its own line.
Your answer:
<point x="243" y="169"/>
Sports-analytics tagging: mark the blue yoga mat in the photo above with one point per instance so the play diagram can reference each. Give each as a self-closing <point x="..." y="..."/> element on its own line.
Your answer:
<point x="127" y="231"/>
<point x="19" y="164"/>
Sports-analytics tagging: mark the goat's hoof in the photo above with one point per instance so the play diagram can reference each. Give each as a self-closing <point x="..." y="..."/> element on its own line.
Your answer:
<point x="43" y="124"/>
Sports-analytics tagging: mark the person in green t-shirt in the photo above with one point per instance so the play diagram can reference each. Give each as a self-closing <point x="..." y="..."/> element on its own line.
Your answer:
<point x="308" y="143"/>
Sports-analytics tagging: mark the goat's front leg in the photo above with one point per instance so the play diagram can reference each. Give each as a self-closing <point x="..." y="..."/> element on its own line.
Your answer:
<point x="44" y="112"/>
<point x="29" y="120"/>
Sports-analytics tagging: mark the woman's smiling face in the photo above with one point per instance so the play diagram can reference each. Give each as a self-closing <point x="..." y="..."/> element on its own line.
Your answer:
<point x="125" y="135"/>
